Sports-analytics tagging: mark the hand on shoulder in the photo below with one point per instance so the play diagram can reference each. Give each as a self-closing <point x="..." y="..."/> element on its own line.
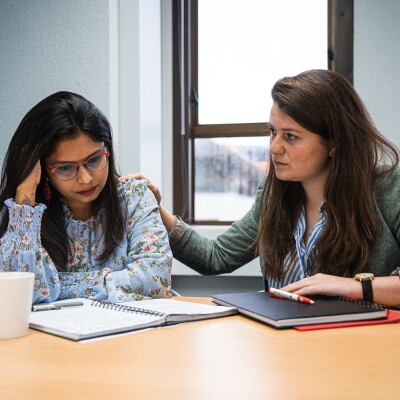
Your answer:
<point x="151" y="186"/>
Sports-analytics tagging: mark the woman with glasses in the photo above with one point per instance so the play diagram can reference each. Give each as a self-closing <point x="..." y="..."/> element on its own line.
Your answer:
<point x="66" y="217"/>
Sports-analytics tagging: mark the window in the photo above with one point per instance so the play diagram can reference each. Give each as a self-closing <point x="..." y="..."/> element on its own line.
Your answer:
<point x="227" y="56"/>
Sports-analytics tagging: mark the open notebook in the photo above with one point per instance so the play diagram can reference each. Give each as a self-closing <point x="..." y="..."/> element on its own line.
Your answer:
<point x="97" y="318"/>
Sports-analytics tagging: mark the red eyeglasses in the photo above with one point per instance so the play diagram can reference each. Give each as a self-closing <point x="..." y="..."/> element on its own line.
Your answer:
<point x="68" y="171"/>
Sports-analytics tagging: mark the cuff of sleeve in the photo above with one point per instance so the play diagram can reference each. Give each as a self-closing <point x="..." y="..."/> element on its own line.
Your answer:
<point x="89" y="285"/>
<point x="177" y="231"/>
<point x="25" y="218"/>
<point x="396" y="272"/>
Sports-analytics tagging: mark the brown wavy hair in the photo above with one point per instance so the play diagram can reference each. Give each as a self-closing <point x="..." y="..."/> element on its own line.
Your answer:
<point x="325" y="103"/>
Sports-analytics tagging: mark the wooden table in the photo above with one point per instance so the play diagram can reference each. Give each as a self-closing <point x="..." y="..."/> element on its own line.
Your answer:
<point x="226" y="358"/>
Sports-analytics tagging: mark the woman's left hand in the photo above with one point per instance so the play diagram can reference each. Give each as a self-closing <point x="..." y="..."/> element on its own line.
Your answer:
<point x="327" y="285"/>
<point x="152" y="187"/>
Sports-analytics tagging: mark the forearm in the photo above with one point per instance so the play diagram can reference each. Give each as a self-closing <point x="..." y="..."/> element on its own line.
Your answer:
<point x="46" y="286"/>
<point x="386" y="290"/>
<point x="145" y="275"/>
<point x="167" y="218"/>
<point x="141" y="279"/>
<point x="147" y="271"/>
<point x="229" y="251"/>
<point x="21" y="250"/>
<point x="201" y="254"/>
<point x="90" y="284"/>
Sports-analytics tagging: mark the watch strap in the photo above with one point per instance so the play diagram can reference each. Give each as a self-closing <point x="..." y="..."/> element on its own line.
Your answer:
<point x="367" y="289"/>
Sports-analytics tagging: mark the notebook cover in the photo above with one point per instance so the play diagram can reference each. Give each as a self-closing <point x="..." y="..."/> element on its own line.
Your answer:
<point x="283" y="313"/>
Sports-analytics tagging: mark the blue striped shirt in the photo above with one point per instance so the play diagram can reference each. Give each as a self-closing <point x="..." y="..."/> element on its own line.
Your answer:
<point x="299" y="267"/>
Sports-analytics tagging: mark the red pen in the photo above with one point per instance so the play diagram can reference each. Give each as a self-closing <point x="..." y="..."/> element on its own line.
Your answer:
<point x="281" y="294"/>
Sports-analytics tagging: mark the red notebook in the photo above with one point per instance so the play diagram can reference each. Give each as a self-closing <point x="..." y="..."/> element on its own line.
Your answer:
<point x="392" y="317"/>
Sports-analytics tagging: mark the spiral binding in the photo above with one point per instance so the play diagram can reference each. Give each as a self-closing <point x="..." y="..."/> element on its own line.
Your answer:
<point x="368" y="303"/>
<point x="124" y="308"/>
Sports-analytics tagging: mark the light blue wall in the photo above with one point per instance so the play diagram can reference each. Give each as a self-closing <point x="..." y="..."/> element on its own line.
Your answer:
<point x="377" y="62"/>
<point x="47" y="46"/>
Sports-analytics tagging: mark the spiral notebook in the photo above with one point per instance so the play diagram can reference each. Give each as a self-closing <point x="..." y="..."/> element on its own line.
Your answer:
<point x="282" y="313"/>
<point x="100" y="318"/>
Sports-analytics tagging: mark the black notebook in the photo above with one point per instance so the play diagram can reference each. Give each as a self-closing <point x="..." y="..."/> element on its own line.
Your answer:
<point x="282" y="313"/>
<point x="98" y="318"/>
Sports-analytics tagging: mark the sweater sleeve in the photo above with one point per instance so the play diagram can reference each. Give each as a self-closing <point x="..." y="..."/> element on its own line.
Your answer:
<point x="148" y="270"/>
<point x="384" y="257"/>
<point x="21" y="250"/>
<point x="228" y="252"/>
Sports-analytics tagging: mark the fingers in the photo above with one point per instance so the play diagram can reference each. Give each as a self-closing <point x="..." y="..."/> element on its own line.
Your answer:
<point x="151" y="186"/>
<point x="35" y="174"/>
<point x="132" y="176"/>
<point x="310" y="285"/>
<point x="33" y="179"/>
<point x="321" y="284"/>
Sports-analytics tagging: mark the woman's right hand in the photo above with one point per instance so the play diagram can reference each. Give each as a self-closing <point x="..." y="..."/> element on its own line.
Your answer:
<point x="26" y="190"/>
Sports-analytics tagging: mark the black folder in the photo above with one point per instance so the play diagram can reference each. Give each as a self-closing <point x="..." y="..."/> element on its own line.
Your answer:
<point x="283" y="313"/>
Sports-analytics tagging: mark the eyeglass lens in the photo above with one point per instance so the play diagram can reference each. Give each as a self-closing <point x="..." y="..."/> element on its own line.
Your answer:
<point x="68" y="171"/>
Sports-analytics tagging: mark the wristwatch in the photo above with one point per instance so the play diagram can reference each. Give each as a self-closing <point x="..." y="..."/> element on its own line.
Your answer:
<point x="366" y="280"/>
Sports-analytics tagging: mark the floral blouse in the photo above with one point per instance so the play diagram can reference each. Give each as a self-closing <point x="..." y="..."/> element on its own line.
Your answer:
<point x="139" y="268"/>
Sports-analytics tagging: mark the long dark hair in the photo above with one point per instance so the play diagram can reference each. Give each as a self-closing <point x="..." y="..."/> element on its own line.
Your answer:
<point x="60" y="116"/>
<point x="325" y="103"/>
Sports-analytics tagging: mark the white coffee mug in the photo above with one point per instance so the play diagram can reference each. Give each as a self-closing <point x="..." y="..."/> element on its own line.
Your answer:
<point x="16" y="291"/>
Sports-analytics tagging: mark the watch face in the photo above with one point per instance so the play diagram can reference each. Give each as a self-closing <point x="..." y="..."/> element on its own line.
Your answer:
<point x="364" y="276"/>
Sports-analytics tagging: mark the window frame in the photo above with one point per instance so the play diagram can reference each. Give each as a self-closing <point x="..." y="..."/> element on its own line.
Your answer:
<point x="185" y="116"/>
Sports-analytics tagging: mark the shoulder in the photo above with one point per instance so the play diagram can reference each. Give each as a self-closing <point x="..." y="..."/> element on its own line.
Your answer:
<point x="388" y="188"/>
<point x="387" y="198"/>
<point x="260" y="187"/>
<point x="259" y="193"/>
<point x="135" y="191"/>
<point x="133" y="186"/>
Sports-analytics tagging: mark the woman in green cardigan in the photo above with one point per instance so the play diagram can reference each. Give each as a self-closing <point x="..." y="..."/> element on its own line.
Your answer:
<point x="329" y="207"/>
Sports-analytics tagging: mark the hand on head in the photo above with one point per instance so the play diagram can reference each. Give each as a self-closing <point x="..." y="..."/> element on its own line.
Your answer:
<point x="26" y="190"/>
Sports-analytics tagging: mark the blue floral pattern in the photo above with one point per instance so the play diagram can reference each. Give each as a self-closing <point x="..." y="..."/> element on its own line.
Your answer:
<point x="139" y="268"/>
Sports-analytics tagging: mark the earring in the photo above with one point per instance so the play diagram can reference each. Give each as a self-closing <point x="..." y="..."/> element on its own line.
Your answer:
<point x="47" y="190"/>
<point x="332" y="154"/>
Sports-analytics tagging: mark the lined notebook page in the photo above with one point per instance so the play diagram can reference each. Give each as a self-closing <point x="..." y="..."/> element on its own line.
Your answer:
<point x="87" y="320"/>
<point x="183" y="310"/>
<point x="97" y="318"/>
<point x="175" y="306"/>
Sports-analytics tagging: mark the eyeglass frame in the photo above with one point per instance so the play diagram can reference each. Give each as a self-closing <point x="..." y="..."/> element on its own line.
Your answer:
<point x="78" y="164"/>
